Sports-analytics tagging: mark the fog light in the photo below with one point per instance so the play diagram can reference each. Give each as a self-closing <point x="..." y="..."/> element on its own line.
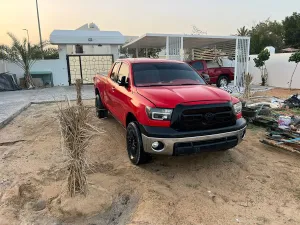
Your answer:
<point x="157" y="145"/>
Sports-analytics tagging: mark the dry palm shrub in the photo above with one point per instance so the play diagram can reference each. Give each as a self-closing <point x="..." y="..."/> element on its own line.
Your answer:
<point x="76" y="133"/>
<point x="248" y="78"/>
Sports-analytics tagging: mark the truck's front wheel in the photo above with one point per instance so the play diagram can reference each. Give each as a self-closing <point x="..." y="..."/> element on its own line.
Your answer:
<point x="135" y="145"/>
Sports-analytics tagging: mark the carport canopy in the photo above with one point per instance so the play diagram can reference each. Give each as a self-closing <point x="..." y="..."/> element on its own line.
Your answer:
<point x="176" y="44"/>
<point x="152" y="40"/>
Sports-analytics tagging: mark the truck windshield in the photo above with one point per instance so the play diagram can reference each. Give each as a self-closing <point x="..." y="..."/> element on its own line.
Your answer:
<point x="165" y="74"/>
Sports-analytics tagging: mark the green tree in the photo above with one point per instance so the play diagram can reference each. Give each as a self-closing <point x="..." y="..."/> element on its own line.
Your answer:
<point x="266" y="33"/>
<point x="291" y="26"/>
<point x="243" y="31"/>
<point x="23" y="54"/>
<point x="260" y="62"/>
<point x="294" y="58"/>
<point x="51" y="53"/>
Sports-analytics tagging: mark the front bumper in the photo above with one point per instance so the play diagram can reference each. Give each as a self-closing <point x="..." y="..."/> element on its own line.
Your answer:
<point x="180" y="143"/>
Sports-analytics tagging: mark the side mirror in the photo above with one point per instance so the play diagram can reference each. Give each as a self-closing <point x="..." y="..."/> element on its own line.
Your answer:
<point x="124" y="82"/>
<point x="206" y="77"/>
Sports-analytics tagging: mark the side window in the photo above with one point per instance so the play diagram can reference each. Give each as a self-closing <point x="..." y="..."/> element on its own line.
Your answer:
<point x="124" y="71"/>
<point x="114" y="72"/>
<point x="197" y="65"/>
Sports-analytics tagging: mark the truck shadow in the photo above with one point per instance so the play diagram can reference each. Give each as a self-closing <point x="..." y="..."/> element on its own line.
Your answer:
<point x="171" y="166"/>
<point x="195" y="162"/>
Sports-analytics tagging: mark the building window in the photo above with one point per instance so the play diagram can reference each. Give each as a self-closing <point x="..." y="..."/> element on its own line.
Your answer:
<point x="78" y="49"/>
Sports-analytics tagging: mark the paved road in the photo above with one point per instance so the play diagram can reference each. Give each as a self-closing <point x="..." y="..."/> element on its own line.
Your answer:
<point x="12" y="102"/>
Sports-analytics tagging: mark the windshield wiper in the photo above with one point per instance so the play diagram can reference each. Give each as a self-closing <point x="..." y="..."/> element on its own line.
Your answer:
<point x="189" y="84"/>
<point x="151" y="85"/>
<point x="159" y="85"/>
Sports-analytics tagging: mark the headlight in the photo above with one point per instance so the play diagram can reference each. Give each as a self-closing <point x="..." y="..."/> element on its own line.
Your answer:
<point x="237" y="107"/>
<point x="159" y="114"/>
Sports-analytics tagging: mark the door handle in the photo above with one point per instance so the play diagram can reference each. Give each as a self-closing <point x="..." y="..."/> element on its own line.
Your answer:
<point x="112" y="88"/>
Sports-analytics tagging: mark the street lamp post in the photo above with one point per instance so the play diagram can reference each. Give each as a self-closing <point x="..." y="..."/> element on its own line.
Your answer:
<point x="27" y="35"/>
<point x="38" y="17"/>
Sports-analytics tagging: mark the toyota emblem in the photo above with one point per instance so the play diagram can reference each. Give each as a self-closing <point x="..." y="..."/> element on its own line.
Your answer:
<point x="209" y="116"/>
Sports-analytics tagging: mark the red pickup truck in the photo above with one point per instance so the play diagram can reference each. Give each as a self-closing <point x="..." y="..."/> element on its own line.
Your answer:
<point x="221" y="76"/>
<point x="167" y="108"/>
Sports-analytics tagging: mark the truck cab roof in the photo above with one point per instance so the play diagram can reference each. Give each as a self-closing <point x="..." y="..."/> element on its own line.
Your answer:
<point x="147" y="60"/>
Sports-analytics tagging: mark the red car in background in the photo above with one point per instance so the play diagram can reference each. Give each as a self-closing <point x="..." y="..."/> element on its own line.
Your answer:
<point x="221" y="76"/>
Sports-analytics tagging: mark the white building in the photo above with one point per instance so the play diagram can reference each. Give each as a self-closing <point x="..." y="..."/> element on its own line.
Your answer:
<point x="93" y="31"/>
<point x="82" y="54"/>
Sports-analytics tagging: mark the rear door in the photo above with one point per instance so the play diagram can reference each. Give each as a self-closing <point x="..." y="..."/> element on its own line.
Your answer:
<point x="111" y="86"/>
<point x="122" y="94"/>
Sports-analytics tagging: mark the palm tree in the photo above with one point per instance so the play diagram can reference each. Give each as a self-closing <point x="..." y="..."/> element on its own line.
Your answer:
<point x="243" y="31"/>
<point x="23" y="54"/>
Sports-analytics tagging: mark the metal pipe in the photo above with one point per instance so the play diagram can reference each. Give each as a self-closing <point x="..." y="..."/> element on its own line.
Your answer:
<point x="167" y="47"/>
<point x="236" y="62"/>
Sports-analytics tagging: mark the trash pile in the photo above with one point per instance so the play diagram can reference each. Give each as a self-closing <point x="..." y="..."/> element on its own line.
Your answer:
<point x="280" y="117"/>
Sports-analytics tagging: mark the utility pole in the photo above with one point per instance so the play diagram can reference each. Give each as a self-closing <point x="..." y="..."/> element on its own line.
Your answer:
<point x="38" y="17"/>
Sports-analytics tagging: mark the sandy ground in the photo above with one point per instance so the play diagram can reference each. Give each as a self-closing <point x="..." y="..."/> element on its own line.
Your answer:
<point x="250" y="184"/>
<point x="282" y="93"/>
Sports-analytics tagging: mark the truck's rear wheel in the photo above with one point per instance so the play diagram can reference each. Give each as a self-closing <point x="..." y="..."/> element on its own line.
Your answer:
<point x="222" y="81"/>
<point x="135" y="148"/>
<point x="101" y="112"/>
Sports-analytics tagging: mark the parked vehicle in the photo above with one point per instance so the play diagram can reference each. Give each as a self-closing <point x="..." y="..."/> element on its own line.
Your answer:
<point x="168" y="109"/>
<point x="221" y="76"/>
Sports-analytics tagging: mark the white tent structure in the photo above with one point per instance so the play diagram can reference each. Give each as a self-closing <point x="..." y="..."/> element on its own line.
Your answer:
<point x="183" y="47"/>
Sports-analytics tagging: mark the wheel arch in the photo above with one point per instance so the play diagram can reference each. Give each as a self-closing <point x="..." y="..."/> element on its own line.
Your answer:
<point x="97" y="91"/>
<point x="130" y="117"/>
<point x="224" y="74"/>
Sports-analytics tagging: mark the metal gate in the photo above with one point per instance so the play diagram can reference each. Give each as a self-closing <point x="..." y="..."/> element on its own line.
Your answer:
<point x="85" y="67"/>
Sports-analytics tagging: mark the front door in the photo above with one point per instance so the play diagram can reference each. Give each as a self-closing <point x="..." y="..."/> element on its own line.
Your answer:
<point x="121" y="93"/>
<point x="111" y="87"/>
<point x="197" y="65"/>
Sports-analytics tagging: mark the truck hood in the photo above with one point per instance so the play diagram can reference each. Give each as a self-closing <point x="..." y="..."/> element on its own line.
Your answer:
<point x="170" y="96"/>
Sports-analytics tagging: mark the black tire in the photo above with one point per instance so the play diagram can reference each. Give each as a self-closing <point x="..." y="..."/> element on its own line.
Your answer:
<point x="221" y="80"/>
<point x="135" y="148"/>
<point x="101" y="111"/>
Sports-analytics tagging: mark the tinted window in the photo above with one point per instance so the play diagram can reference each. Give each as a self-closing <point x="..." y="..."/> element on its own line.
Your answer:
<point x="197" y="65"/>
<point x="114" y="72"/>
<point x="163" y="74"/>
<point x="124" y="71"/>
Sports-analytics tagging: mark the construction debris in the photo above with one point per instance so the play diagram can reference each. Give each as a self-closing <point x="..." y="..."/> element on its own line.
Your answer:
<point x="293" y="101"/>
<point x="282" y="123"/>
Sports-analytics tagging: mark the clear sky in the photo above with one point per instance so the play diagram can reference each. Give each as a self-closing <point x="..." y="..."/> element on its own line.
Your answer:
<point x="136" y="17"/>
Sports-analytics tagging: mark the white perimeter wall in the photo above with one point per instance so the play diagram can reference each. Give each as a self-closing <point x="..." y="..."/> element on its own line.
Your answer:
<point x="280" y="71"/>
<point x="56" y="66"/>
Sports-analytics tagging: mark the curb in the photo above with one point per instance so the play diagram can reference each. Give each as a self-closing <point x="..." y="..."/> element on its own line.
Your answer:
<point x="11" y="117"/>
<point x="54" y="101"/>
<point x="14" y="115"/>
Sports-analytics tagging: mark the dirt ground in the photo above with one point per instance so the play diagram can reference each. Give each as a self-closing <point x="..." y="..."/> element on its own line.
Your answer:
<point x="282" y="93"/>
<point x="250" y="184"/>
